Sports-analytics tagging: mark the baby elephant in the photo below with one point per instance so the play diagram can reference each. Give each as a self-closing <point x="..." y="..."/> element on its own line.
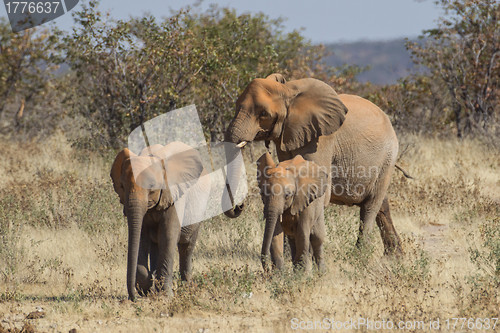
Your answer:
<point x="292" y="192"/>
<point x="164" y="192"/>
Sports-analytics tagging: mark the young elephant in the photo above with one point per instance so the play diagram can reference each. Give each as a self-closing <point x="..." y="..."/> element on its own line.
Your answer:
<point x="164" y="192"/>
<point x="292" y="192"/>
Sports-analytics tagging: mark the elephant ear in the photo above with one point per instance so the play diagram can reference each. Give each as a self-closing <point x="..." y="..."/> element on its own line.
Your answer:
<point x="152" y="150"/>
<point x="311" y="182"/>
<point x="276" y="77"/>
<point x="264" y="164"/>
<point x="314" y="109"/>
<point x="116" y="172"/>
<point x="181" y="171"/>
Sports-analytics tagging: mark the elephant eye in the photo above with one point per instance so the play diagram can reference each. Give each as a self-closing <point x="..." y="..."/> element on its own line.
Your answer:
<point x="264" y="114"/>
<point x="288" y="194"/>
<point x="150" y="184"/>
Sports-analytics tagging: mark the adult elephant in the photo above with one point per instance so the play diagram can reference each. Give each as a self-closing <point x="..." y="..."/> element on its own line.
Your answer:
<point x="345" y="134"/>
<point x="163" y="192"/>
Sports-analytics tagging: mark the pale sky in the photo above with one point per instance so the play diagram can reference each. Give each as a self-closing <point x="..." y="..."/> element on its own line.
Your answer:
<point x="321" y="20"/>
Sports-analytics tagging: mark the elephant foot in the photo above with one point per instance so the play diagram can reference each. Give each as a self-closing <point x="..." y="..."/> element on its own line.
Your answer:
<point x="278" y="263"/>
<point x="169" y="293"/>
<point x="390" y="238"/>
<point x="144" y="281"/>
<point x="186" y="277"/>
<point x="164" y="287"/>
<point x="266" y="263"/>
<point x="363" y="243"/>
<point x="187" y="283"/>
<point x="394" y="250"/>
<point x="321" y="268"/>
<point x="302" y="266"/>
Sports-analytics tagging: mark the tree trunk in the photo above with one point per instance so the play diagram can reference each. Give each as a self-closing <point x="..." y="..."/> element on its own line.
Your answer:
<point x="458" y="118"/>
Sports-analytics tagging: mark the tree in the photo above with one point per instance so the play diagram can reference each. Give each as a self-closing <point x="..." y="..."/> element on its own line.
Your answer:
<point x="462" y="55"/>
<point x="240" y="48"/>
<point x="25" y="66"/>
<point x="127" y="72"/>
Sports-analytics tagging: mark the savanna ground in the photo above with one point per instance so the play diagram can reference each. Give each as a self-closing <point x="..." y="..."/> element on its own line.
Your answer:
<point x="63" y="250"/>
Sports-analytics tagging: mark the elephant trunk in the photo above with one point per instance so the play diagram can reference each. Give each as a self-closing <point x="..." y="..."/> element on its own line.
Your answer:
<point x="271" y="220"/>
<point x="234" y="171"/>
<point x="239" y="130"/>
<point x="135" y="215"/>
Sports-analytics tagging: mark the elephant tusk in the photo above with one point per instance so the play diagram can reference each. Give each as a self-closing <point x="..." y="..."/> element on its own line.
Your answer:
<point x="241" y="144"/>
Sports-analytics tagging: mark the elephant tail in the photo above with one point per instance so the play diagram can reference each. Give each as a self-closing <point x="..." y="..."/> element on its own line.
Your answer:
<point x="406" y="174"/>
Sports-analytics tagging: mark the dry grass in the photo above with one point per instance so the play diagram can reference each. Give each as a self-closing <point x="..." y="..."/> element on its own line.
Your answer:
<point x="63" y="248"/>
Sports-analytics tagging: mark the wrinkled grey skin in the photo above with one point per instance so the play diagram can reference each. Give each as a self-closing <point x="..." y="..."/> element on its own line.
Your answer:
<point x="154" y="210"/>
<point x="347" y="134"/>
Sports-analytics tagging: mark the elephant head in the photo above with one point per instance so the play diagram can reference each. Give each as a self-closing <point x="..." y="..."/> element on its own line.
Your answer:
<point x="291" y="114"/>
<point x="153" y="180"/>
<point x="291" y="185"/>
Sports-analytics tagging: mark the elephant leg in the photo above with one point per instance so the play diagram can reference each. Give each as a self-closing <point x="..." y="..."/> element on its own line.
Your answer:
<point x="186" y="256"/>
<point x="368" y="213"/>
<point x="277" y="247"/>
<point x="302" y="243"/>
<point x="143" y="275"/>
<point x="317" y="239"/>
<point x="168" y="236"/>
<point x="153" y="258"/>
<point x="293" y="250"/>
<point x="392" y="242"/>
